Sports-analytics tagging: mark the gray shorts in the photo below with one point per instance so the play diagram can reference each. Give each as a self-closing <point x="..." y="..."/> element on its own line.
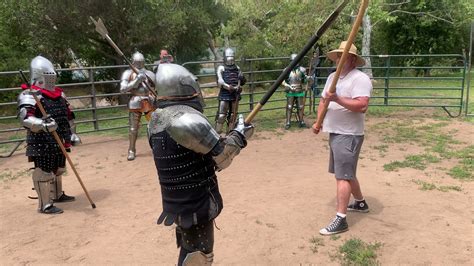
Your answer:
<point x="344" y="154"/>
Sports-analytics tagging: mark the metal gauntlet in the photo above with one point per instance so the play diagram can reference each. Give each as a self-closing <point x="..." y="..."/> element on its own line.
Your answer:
<point x="75" y="139"/>
<point x="225" y="151"/>
<point x="36" y="124"/>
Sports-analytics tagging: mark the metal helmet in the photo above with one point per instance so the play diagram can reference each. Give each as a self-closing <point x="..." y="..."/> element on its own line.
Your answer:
<point x="292" y="57"/>
<point x="229" y="56"/>
<point x="176" y="83"/>
<point x="42" y="73"/>
<point x="138" y="60"/>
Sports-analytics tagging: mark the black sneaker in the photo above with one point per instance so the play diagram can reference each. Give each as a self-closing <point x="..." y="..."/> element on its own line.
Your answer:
<point x="52" y="210"/>
<point x="338" y="225"/>
<point x="65" y="198"/>
<point x="358" y="206"/>
<point x="287" y="126"/>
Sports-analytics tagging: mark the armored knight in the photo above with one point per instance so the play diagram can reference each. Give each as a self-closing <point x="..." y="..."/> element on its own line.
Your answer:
<point x="230" y="79"/>
<point x="187" y="153"/>
<point x="141" y="102"/>
<point x="295" y="93"/>
<point x="42" y="148"/>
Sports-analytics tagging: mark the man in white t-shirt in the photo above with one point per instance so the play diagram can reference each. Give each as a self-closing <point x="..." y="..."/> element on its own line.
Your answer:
<point x="344" y="122"/>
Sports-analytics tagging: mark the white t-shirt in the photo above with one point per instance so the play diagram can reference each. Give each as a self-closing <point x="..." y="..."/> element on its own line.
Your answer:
<point x="339" y="119"/>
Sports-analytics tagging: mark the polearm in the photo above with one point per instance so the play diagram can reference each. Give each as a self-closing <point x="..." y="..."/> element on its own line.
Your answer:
<point x="102" y="30"/>
<point x="328" y="22"/>
<point x="235" y="109"/>
<point x="345" y="54"/>
<point x="58" y="140"/>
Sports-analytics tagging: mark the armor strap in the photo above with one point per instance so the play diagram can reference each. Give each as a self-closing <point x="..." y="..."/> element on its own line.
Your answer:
<point x="177" y="98"/>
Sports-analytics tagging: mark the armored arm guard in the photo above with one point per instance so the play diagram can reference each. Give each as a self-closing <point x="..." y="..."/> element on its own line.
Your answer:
<point x="225" y="151"/>
<point x="242" y="78"/>
<point x="303" y="74"/>
<point x="220" y="79"/>
<point x="25" y="102"/>
<point x="126" y="84"/>
<point x="36" y="124"/>
<point x="151" y="76"/>
<point x="75" y="139"/>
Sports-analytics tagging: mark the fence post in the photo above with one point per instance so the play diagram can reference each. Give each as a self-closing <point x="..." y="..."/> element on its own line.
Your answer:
<point x="94" y="99"/>
<point x="387" y="79"/>
<point x="252" y="86"/>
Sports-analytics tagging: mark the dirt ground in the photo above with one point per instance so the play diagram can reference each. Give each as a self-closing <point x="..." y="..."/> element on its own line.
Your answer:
<point x="277" y="195"/>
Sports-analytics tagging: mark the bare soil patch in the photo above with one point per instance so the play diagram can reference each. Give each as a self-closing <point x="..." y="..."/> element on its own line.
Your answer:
<point x="277" y="195"/>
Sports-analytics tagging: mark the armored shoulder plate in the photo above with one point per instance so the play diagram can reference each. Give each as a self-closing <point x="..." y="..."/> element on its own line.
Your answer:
<point x="26" y="98"/>
<point x="187" y="126"/>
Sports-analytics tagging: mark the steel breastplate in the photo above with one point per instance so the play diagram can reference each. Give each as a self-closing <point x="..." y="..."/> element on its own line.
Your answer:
<point x="295" y="79"/>
<point x="140" y="91"/>
<point x="43" y="143"/>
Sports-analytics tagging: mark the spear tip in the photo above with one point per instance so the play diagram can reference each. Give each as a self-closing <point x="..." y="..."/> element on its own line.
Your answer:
<point x="100" y="27"/>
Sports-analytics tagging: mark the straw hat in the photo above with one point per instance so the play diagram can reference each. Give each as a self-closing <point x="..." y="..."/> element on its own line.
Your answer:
<point x="353" y="50"/>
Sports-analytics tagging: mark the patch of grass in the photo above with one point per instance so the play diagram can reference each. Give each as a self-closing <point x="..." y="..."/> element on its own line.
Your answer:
<point x="430" y="186"/>
<point x="381" y="148"/>
<point x="316" y="242"/>
<point x="424" y="185"/>
<point x="9" y="175"/>
<point x="412" y="161"/>
<point x="334" y="237"/>
<point x="462" y="172"/>
<point x="447" y="188"/>
<point x="356" y="252"/>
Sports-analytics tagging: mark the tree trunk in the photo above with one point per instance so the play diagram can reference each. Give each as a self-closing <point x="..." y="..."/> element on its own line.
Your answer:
<point x="212" y="46"/>
<point x="367" y="30"/>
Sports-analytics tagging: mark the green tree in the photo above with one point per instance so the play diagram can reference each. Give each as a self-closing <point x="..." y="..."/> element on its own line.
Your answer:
<point x="423" y="27"/>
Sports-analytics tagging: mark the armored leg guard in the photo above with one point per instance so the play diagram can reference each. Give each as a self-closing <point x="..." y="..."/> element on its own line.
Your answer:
<point x="198" y="258"/>
<point x="42" y="183"/>
<point x="133" y="133"/>
<point x="58" y="194"/>
<point x="300" y="107"/>
<point x="221" y="115"/>
<point x="289" y="110"/>
<point x="197" y="243"/>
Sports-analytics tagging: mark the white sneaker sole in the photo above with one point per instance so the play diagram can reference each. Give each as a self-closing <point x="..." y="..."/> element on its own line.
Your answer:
<point x="324" y="232"/>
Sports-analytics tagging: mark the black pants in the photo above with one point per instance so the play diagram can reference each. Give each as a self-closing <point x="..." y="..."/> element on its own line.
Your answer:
<point x="198" y="237"/>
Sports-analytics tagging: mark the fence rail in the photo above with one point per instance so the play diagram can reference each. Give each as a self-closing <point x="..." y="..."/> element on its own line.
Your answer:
<point x="395" y="85"/>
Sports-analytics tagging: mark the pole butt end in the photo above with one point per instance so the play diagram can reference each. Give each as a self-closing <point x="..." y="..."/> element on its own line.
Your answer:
<point x="93" y="205"/>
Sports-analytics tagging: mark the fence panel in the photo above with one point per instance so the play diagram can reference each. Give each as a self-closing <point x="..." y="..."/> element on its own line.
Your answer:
<point x="428" y="81"/>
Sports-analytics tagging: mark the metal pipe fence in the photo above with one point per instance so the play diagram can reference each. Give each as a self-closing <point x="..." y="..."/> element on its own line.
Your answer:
<point x="399" y="81"/>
